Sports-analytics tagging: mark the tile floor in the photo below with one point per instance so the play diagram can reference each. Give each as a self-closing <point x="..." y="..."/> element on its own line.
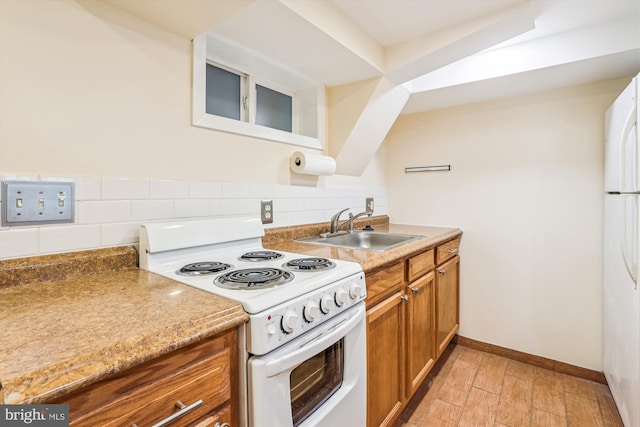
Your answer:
<point x="468" y="387"/>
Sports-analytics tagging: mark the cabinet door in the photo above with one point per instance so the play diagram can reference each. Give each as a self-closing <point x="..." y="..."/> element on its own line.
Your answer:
<point x="385" y="352"/>
<point x="421" y="342"/>
<point x="447" y="302"/>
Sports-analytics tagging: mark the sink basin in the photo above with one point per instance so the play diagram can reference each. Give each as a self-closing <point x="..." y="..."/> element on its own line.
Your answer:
<point x="364" y="240"/>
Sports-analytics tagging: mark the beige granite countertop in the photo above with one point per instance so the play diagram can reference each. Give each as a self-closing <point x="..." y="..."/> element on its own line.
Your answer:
<point x="65" y="330"/>
<point x="70" y="320"/>
<point x="369" y="260"/>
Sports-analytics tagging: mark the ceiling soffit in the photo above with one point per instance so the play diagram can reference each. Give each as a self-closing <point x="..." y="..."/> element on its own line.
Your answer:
<point x="310" y="37"/>
<point x="420" y="56"/>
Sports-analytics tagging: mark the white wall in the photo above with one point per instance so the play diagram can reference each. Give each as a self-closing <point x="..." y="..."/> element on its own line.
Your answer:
<point x="526" y="187"/>
<point x="91" y="94"/>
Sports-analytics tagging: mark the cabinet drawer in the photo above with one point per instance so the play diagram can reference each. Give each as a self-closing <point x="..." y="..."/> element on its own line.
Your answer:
<point x="207" y="381"/>
<point x="447" y="250"/>
<point x="148" y="393"/>
<point x="384" y="282"/>
<point x="419" y="265"/>
<point x="221" y="416"/>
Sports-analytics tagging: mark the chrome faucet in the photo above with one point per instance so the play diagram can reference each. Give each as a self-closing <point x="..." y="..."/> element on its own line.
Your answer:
<point x="335" y="219"/>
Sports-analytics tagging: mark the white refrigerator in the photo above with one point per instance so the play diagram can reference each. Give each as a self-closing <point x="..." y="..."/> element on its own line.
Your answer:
<point x="622" y="254"/>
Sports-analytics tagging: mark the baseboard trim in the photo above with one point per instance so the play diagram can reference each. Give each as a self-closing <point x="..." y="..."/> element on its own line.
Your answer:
<point x="541" y="362"/>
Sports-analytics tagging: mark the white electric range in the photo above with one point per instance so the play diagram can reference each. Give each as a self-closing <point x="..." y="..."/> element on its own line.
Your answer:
<point x="303" y="351"/>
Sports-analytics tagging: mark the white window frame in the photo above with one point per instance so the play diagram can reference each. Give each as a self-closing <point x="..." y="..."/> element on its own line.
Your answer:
<point x="202" y="119"/>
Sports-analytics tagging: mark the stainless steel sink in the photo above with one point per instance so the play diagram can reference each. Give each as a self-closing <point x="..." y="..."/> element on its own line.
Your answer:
<point x="364" y="240"/>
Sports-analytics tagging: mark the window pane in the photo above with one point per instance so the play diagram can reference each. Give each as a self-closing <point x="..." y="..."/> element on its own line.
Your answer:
<point x="315" y="380"/>
<point x="223" y="93"/>
<point x="273" y="109"/>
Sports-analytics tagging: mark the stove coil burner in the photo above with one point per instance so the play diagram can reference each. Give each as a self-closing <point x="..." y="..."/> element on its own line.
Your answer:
<point x="310" y="264"/>
<point x="256" y="256"/>
<point x="203" y="268"/>
<point x="254" y="278"/>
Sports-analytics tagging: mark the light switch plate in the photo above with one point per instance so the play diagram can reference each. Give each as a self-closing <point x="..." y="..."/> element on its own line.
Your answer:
<point x="37" y="202"/>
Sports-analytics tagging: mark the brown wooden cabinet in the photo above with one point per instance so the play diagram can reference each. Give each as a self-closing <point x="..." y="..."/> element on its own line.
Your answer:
<point x="146" y="394"/>
<point x="385" y="360"/>
<point x="447" y="250"/>
<point x="421" y="349"/>
<point x="383" y="283"/>
<point x="216" y="419"/>
<point x="412" y="314"/>
<point x="447" y="302"/>
<point x="447" y="293"/>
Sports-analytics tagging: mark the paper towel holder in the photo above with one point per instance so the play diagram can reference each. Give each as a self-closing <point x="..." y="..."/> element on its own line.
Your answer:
<point x="312" y="164"/>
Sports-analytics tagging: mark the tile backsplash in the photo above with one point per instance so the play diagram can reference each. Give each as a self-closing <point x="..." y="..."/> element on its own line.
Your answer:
<point x="109" y="211"/>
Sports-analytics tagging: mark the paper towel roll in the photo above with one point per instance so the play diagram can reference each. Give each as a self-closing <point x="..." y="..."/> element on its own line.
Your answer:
<point x="312" y="164"/>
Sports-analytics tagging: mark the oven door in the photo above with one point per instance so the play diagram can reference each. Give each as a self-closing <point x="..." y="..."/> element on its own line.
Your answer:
<point x="316" y="380"/>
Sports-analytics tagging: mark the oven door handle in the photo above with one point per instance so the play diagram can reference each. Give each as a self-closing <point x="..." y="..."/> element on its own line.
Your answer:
<point x="327" y="336"/>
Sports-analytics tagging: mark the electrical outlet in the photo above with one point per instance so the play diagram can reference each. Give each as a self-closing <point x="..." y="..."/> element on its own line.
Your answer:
<point x="37" y="202"/>
<point x="266" y="211"/>
<point x="368" y="205"/>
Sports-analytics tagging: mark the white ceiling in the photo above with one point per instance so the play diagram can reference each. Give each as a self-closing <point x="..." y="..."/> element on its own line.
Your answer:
<point x="445" y="52"/>
<point x="391" y="22"/>
<point x="433" y="47"/>
<point x="574" y="42"/>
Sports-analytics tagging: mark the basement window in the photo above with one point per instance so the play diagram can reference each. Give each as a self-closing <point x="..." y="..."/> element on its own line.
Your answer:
<point x="238" y="96"/>
<point x="274" y="109"/>
<point x="224" y="93"/>
<point x="239" y="92"/>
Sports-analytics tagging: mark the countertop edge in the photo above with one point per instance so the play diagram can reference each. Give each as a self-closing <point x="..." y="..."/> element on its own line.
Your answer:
<point x="99" y="371"/>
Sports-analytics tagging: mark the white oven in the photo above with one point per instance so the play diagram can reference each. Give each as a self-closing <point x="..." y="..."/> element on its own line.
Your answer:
<point x="317" y="380"/>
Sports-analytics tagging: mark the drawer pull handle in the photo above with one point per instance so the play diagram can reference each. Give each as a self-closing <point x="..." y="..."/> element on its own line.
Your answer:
<point x="183" y="411"/>
<point x="452" y="250"/>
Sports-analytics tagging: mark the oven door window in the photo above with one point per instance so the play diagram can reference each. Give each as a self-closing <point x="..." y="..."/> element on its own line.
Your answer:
<point x="315" y="380"/>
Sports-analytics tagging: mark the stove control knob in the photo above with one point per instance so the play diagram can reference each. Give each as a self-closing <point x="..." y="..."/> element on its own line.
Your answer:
<point x="311" y="311"/>
<point x="271" y="330"/>
<point x="342" y="297"/>
<point x="327" y="303"/>
<point x="355" y="291"/>
<point x="290" y="321"/>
